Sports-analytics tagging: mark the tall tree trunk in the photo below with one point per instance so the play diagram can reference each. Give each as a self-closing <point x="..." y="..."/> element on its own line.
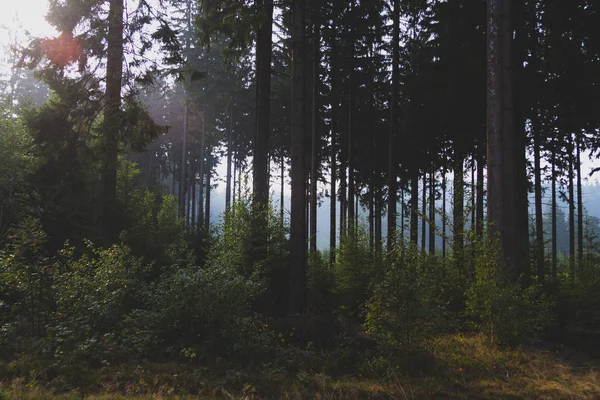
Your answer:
<point x="351" y="190"/>
<point x="473" y="190"/>
<point x="315" y="137"/>
<point x="554" y="238"/>
<point x="112" y="120"/>
<point x="282" y="191"/>
<point x="414" y="209"/>
<point x="424" y="213"/>
<point x="458" y="217"/>
<point x="479" y="212"/>
<point x="297" y="229"/>
<point x="432" y="224"/>
<point x="263" y="99"/>
<point x="402" y="216"/>
<point x="571" y="212"/>
<point x="378" y="205"/>
<point x="444" y="215"/>
<point x="201" y="161"/>
<point x="207" y="210"/>
<point x="579" y="208"/>
<point x="502" y="169"/>
<point x="229" y="157"/>
<point x="539" y="224"/>
<point x="334" y="127"/>
<point x="235" y="179"/>
<point x="193" y="191"/>
<point x="392" y="186"/>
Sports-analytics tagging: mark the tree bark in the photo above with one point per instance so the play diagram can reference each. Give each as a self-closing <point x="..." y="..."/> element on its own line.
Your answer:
<point x="503" y="173"/>
<point x="263" y="99"/>
<point x="432" y="224"/>
<point x="424" y="213"/>
<point x="539" y="224"/>
<point x="229" y="157"/>
<point x="571" y="212"/>
<point x="458" y="217"/>
<point x="579" y="207"/>
<point x="297" y="229"/>
<point x="392" y="186"/>
<point x="554" y="230"/>
<point x="444" y="216"/>
<point x="315" y="137"/>
<point x="112" y="119"/>
<point x="414" y="209"/>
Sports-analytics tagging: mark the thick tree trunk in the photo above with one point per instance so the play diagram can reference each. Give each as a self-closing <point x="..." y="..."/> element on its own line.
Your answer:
<point x="444" y="216"/>
<point x="414" y="209"/>
<point x="229" y="158"/>
<point x="315" y="138"/>
<point x="351" y="182"/>
<point x="112" y="119"/>
<point x="539" y="224"/>
<point x="579" y="208"/>
<point x="282" y="191"/>
<point x="458" y="242"/>
<point x="207" y="210"/>
<point x="297" y="297"/>
<point x="201" y="161"/>
<point x="334" y="127"/>
<point x="424" y="213"/>
<point x="392" y="186"/>
<point x="432" y="224"/>
<point x="192" y="191"/>
<point x="554" y="238"/>
<point x="571" y="213"/>
<point x="263" y="98"/>
<point x="378" y="205"/>
<point x="479" y="224"/>
<point x="504" y="176"/>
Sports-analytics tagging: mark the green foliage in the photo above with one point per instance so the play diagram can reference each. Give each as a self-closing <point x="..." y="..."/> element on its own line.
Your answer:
<point x="354" y="271"/>
<point x="16" y="163"/>
<point x="412" y="301"/>
<point x="507" y="312"/>
<point x="235" y="246"/>
<point x="203" y="313"/>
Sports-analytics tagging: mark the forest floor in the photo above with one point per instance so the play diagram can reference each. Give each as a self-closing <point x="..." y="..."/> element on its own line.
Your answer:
<point x="458" y="367"/>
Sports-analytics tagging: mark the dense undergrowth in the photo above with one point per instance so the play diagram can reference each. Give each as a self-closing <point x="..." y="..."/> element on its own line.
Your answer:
<point x="130" y="321"/>
<point x="171" y="311"/>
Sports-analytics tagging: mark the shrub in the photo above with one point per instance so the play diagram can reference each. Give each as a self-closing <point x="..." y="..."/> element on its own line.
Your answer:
<point x="507" y="312"/>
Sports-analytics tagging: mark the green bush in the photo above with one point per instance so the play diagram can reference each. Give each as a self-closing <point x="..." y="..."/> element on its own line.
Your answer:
<point x="355" y="270"/>
<point x="411" y="300"/>
<point x="506" y="311"/>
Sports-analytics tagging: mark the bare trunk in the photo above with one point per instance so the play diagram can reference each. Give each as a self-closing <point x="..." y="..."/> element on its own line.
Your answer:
<point x="229" y="158"/>
<point x="458" y="242"/>
<point x="571" y="213"/>
<point x="315" y="139"/>
<point x="263" y="99"/>
<point x="432" y="224"/>
<point x="414" y="209"/>
<point x="554" y="238"/>
<point x="392" y="186"/>
<point x="579" y="208"/>
<point x="444" y="214"/>
<point x="114" y="75"/>
<point x="424" y="213"/>
<point x="539" y="224"/>
<point x="297" y="297"/>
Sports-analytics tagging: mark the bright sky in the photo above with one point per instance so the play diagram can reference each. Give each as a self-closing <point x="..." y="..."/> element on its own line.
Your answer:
<point x="27" y="13"/>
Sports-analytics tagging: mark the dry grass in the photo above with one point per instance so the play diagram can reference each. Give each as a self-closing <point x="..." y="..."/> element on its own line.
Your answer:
<point x="465" y="368"/>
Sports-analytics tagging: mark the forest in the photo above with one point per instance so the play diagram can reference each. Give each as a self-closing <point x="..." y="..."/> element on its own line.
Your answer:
<point x="325" y="199"/>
